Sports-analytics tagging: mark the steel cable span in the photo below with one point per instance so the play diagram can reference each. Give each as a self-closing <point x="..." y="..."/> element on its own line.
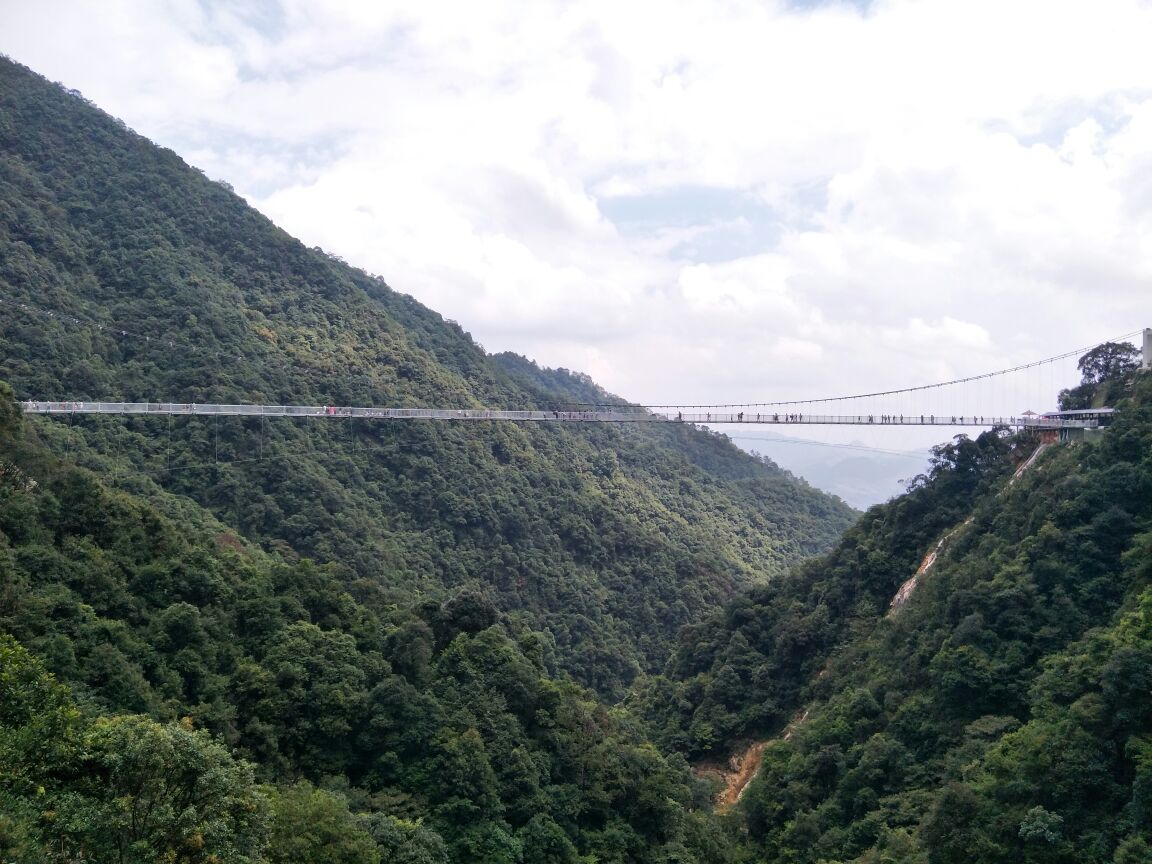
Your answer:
<point x="898" y="392"/>
<point x="621" y="415"/>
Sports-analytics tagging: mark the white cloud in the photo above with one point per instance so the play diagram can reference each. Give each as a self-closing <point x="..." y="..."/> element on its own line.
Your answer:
<point x="947" y="334"/>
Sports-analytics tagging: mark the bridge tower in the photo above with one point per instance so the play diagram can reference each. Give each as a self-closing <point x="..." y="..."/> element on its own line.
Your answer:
<point x="1147" y="348"/>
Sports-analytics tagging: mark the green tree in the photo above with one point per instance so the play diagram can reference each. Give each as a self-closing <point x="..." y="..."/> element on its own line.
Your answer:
<point x="319" y="697"/>
<point x="314" y="826"/>
<point x="10" y="416"/>
<point x="116" y="789"/>
<point x="1101" y="369"/>
<point x="149" y="792"/>
<point x="402" y="841"/>
<point x="39" y="737"/>
<point x="38" y="722"/>
<point x="546" y="843"/>
<point x="1041" y="826"/>
<point x="464" y="784"/>
<point x="955" y="830"/>
<point x="1133" y="850"/>
<point x="1108" y="361"/>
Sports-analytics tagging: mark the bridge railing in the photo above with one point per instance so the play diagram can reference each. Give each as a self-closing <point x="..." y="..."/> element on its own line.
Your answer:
<point x="620" y="415"/>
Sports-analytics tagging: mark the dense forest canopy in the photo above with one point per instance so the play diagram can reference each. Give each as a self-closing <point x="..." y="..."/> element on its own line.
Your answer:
<point x="236" y="641"/>
<point x="1001" y="714"/>
<point x="229" y="640"/>
<point x="126" y="274"/>
<point x="227" y="704"/>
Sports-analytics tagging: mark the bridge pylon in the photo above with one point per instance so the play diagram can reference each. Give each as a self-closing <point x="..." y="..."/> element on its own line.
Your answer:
<point x="1147" y="364"/>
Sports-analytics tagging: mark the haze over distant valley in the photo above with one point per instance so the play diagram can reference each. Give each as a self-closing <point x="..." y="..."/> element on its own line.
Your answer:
<point x="859" y="474"/>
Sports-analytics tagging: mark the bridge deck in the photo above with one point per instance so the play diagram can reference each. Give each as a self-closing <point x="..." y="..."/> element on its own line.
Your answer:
<point x="624" y="415"/>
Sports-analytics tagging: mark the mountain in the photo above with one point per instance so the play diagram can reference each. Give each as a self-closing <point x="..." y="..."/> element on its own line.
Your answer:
<point x="997" y="707"/>
<point x="127" y="275"/>
<point x="237" y="639"/>
<point x="423" y="643"/>
<point x="857" y="474"/>
<point x="225" y="704"/>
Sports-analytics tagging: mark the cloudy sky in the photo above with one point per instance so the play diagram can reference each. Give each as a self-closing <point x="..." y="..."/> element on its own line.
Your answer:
<point x="692" y="201"/>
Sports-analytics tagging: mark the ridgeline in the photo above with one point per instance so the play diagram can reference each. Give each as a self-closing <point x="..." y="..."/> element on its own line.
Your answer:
<point x="1001" y="713"/>
<point x="140" y="277"/>
<point x="229" y="639"/>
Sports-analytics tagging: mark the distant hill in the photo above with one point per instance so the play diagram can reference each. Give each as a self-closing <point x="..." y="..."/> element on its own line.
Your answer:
<point x="126" y="274"/>
<point x="1001" y="714"/>
<point x="860" y="476"/>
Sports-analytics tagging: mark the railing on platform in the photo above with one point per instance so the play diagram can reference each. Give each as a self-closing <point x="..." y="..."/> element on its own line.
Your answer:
<point x="623" y="415"/>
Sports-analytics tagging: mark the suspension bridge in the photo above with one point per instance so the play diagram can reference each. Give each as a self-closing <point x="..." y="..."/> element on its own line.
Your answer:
<point x="981" y="405"/>
<point x="624" y="414"/>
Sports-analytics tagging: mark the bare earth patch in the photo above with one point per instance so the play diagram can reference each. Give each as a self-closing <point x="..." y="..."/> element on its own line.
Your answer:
<point x="742" y="768"/>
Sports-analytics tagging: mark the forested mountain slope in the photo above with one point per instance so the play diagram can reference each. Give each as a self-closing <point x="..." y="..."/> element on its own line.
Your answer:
<point x="437" y="734"/>
<point x="125" y="274"/>
<point x="1003" y="714"/>
<point x="227" y="640"/>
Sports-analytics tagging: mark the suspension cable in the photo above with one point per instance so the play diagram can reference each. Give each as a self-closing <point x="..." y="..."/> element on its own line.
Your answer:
<point x="117" y="330"/>
<point x="921" y="387"/>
